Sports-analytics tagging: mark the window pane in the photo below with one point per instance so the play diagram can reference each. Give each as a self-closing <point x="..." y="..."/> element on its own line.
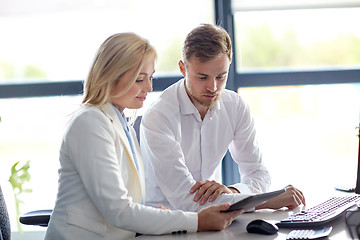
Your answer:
<point x="56" y="40"/>
<point x="307" y="133"/>
<point x="31" y="129"/>
<point x="297" y="39"/>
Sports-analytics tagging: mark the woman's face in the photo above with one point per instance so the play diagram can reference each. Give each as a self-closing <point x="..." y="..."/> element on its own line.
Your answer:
<point x="134" y="98"/>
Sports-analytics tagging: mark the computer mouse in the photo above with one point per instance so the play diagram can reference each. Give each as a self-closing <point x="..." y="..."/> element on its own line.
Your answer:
<point x="261" y="227"/>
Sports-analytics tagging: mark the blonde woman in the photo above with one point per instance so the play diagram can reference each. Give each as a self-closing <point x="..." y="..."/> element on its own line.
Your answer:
<point x="101" y="175"/>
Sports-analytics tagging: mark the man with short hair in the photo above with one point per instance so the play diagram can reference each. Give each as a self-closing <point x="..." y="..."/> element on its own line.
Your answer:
<point x="187" y="131"/>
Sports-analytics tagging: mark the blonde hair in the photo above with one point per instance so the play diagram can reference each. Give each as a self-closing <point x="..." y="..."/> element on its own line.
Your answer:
<point x="118" y="54"/>
<point x="206" y="42"/>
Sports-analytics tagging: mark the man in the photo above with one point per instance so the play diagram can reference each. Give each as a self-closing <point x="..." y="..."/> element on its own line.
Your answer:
<point x="187" y="131"/>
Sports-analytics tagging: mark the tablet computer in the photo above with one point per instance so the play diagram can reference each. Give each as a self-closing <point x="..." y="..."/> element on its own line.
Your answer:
<point x="252" y="201"/>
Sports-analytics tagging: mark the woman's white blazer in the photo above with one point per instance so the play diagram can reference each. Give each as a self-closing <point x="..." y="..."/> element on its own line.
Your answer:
<point x="100" y="190"/>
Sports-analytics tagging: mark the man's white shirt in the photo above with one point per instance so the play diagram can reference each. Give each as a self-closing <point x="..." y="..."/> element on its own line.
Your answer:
<point x="179" y="148"/>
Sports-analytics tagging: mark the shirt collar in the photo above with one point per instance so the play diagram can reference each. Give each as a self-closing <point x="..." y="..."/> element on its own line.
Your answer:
<point x="121" y="117"/>
<point x="187" y="107"/>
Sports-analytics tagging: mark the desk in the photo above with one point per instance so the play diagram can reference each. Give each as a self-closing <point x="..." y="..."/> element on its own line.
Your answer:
<point x="237" y="230"/>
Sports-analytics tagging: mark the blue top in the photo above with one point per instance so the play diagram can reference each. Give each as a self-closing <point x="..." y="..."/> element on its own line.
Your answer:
<point x="126" y="129"/>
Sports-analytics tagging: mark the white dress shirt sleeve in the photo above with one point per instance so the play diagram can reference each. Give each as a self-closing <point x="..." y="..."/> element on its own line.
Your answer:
<point x="245" y="151"/>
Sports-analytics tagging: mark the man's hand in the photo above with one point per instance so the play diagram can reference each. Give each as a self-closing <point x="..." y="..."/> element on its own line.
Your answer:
<point x="291" y="198"/>
<point x="212" y="218"/>
<point x="209" y="190"/>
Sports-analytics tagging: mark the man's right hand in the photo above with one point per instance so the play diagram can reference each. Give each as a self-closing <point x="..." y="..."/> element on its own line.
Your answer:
<point x="291" y="198"/>
<point x="208" y="190"/>
<point x="212" y="218"/>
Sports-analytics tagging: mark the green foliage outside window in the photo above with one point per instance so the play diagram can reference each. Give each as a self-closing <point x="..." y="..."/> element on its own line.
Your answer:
<point x="259" y="47"/>
<point x="8" y="72"/>
<point x="19" y="176"/>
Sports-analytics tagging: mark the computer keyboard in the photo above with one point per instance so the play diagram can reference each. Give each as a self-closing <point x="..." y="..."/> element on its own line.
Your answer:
<point x="320" y="214"/>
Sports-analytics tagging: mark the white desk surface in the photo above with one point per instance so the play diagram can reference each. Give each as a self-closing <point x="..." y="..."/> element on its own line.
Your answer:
<point x="237" y="230"/>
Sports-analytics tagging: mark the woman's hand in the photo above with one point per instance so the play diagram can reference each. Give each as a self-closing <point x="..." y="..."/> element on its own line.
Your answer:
<point x="212" y="218"/>
<point x="162" y="207"/>
<point x="209" y="190"/>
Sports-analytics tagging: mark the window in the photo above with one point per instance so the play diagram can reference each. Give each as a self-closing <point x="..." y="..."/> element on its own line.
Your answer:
<point x="298" y="66"/>
<point x="55" y="41"/>
<point x="31" y="129"/>
<point x="295" y="43"/>
<point x="297" y="39"/>
<point x="296" y="89"/>
<point x="307" y="133"/>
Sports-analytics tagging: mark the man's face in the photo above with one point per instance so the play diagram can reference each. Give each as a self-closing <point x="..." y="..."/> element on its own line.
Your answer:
<point x="206" y="81"/>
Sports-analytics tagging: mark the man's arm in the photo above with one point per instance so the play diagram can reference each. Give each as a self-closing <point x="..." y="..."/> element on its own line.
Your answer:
<point x="245" y="151"/>
<point x="209" y="190"/>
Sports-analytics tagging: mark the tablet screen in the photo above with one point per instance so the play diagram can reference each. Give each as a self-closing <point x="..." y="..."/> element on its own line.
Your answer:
<point x="254" y="200"/>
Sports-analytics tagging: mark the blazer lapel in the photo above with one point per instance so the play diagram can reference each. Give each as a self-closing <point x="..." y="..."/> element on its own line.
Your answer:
<point x="111" y="114"/>
<point x="140" y="162"/>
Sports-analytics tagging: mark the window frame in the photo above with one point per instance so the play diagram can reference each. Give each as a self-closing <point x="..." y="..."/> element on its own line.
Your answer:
<point x="63" y="88"/>
<point x="224" y="17"/>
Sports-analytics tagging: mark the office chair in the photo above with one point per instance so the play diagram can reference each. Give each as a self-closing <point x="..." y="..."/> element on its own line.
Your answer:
<point x="5" y="229"/>
<point x="136" y="126"/>
<point x="36" y="218"/>
<point x="352" y="219"/>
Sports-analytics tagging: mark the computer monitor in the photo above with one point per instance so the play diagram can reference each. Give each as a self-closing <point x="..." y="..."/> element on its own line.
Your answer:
<point x="351" y="188"/>
<point x="357" y="188"/>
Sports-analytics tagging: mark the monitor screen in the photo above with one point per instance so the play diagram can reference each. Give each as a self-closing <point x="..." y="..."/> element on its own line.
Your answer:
<point x="357" y="189"/>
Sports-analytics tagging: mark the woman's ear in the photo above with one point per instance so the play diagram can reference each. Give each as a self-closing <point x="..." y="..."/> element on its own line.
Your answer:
<point x="182" y="68"/>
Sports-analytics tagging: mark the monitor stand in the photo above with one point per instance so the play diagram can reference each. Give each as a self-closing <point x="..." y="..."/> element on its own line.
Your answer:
<point x="345" y="188"/>
<point x="355" y="189"/>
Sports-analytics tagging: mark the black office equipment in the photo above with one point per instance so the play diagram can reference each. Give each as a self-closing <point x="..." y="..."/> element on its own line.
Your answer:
<point x="353" y="188"/>
<point x="345" y="188"/>
<point x="252" y="201"/>
<point x="357" y="188"/>
<point x="260" y="226"/>
<point x="37" y="218"/>
<point x="352" y="219"/>
<point x="321" y="214"/>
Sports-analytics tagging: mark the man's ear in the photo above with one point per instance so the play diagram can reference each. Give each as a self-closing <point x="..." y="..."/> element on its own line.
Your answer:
<point x="182" y="68"/>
